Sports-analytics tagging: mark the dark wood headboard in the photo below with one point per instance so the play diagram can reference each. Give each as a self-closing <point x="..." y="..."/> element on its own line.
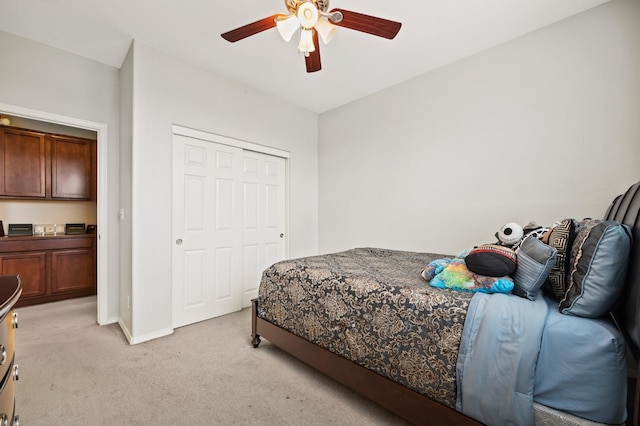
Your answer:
<point x="626" y="209"/>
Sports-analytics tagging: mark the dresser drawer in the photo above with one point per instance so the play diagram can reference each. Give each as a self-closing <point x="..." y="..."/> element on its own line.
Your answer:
<point x="7" y="394"/>
<point x="7" y="343"/>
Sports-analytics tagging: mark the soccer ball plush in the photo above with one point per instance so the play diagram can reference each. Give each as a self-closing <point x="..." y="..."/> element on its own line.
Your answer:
<point x="510" y="234"/>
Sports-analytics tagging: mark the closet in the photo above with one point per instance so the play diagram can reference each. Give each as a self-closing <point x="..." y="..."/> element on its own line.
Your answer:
<point x="229" y="222"/>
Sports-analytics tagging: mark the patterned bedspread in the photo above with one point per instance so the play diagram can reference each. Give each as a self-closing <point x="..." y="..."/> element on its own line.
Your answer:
<point x="372" y="307"/>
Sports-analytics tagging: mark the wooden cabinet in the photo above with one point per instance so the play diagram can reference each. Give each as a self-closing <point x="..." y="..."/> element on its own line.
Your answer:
<point x="10" y="289"/>
<point x="24" y="166"/>
<point x="51" y="267"/>
<point x="46" y="166"/>
<point x="70" y="168"/>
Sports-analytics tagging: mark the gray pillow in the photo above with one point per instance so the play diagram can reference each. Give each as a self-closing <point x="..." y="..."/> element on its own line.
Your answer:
<point x="535" y="260"/>
<point x="597" y="268"/>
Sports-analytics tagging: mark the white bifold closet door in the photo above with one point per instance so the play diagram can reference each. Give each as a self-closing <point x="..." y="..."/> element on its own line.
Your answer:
<point x="228" y="226"/>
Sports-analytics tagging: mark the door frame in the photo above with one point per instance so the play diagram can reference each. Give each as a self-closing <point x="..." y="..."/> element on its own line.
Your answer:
<point x="102" y="213"/>
<point x="226" y="140"/>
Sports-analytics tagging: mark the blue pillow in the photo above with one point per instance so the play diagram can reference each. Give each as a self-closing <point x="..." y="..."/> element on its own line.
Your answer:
<point x="535" y="260"/>
<point x="597" y="268"/>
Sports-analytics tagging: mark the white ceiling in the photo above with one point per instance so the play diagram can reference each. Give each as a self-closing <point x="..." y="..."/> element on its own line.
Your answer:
<point x="434" y="33"/>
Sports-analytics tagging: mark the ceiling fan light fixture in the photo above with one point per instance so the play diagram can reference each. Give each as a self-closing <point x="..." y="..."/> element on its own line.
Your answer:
<point x="288" y="26"/>
<point x="313" y="20"/>
<point x="335" y="17"/>
<point x="326" y="30"/>
<point x="306" y="42"/>
<point x="308" y="15"/>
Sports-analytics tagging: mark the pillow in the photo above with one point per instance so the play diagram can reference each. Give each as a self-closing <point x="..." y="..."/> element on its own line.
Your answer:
<point x="491" y="260"/>
<point x="598" y="267"/>
<point x="560" y="237"/>
<point x="453" y="274"/>
<point x="535" y="260"/>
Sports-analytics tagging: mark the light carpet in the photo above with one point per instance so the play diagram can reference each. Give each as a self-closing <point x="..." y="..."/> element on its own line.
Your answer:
<point x="74" y="372"/>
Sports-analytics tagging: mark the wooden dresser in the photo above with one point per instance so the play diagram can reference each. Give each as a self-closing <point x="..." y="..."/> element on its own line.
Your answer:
<point x="10" y="289"/>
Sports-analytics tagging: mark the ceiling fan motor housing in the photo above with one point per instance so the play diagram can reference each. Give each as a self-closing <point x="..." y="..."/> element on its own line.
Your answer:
<point x="293" y="5"/>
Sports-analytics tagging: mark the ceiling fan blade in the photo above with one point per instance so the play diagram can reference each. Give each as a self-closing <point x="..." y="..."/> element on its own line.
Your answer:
<point x="250" y="29"/>
<point x="313" y="60"/>
<point x="367" y="24"/>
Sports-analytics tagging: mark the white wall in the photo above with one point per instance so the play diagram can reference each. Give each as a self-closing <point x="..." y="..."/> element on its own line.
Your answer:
<point x="43" y="79"/>
<point x="170" y="91"/>
<point x="47" y="212"/>
<point x="125" y="172"/>
<point x="541" y="128"/>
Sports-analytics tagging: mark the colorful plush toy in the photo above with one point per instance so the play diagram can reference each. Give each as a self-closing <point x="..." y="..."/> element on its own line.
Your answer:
<point x="454" y="274"/>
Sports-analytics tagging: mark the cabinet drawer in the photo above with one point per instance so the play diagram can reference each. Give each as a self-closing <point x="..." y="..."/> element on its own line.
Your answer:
<point x="7" y="343"/>
<point x="7" y="395"/>
<point x="29" y="244"/>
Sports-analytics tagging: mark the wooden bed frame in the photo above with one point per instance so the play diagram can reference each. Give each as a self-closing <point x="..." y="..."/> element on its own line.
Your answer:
<point x="418" y="408"/>
<point x="406" y="403"/>
<point x="399" y="399"/>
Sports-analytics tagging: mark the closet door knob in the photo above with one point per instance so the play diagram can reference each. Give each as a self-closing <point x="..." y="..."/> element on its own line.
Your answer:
<point x="179" y="241"/>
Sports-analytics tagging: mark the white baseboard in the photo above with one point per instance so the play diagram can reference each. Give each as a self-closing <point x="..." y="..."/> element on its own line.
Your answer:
<point x="110" y="320"/>
<point x="144" y="338"/>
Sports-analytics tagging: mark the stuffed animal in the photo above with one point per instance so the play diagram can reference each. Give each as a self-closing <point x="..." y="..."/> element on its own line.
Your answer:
<point x="510" y="234"/>
<point x="454" y="274"/>
<point x="498" y="259"/>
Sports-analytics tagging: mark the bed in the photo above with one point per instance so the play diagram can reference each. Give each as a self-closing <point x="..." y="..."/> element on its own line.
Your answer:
<point x="366" y="318"/>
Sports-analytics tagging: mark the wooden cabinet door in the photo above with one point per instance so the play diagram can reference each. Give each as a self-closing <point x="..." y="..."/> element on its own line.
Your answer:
<point x="23" y="161"/>
<point x="70" y="168"/>
<point x="31" y="268"/>
<point x="72" y="270"/>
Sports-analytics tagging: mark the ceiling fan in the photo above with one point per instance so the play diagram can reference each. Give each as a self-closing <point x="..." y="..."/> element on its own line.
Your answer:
<point x="310" y="18"/>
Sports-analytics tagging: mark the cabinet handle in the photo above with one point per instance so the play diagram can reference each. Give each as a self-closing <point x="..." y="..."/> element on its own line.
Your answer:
<point x="14" y="320"/>
<point x="15" y="372"/>
<point x="3" y="354"/>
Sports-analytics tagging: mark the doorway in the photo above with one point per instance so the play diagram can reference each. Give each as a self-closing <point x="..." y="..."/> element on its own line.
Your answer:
<point x="103" y="302"/>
